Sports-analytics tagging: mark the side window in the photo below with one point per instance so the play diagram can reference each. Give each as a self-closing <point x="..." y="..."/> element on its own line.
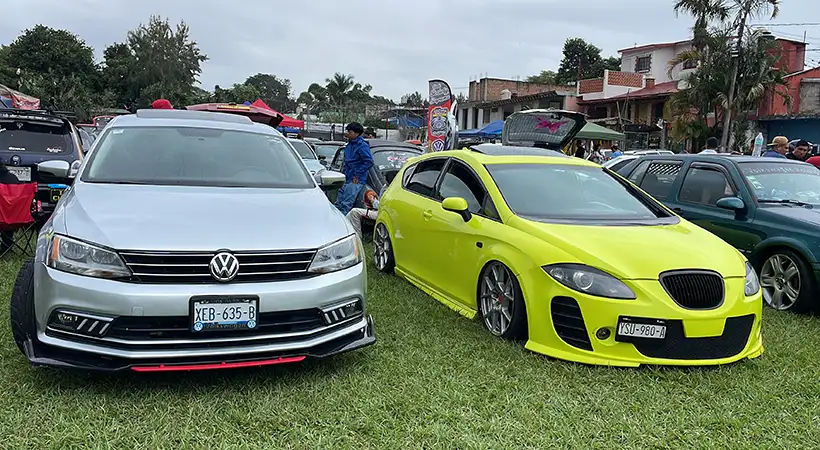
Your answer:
<point x="659" y="178"/>
<point x="460" y="182"/>
<point x="423" y="179"/>
<point x="705" y="186"/>
<point x="338" y="161"/>
<point x="637" y="174"/>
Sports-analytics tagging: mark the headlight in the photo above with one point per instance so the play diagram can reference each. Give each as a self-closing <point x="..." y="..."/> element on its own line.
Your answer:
<point x="752" y="283"/>
<point x="73" y="256"/>
<point x="589" y="281"/>
<point x="337" y="256"/>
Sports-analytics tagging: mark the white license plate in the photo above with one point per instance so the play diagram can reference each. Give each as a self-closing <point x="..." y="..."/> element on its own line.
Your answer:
<point x="641" y="330"/>
<point x="233" y="314"/>
<point x="22" y="173"/>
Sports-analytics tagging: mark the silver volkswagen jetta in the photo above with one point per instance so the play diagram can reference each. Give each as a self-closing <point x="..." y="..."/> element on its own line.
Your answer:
<point x="191" y="240"/>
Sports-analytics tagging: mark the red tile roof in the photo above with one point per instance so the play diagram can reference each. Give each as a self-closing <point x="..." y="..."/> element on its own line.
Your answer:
<point x="659" y="90"/>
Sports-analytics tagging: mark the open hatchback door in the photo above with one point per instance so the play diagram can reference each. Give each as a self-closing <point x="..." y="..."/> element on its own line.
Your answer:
<point x="545" y="128"/>
<point x="256" y="114"/>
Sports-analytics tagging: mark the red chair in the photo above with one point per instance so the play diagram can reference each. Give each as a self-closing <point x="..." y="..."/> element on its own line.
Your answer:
<point x="18" y="207"/>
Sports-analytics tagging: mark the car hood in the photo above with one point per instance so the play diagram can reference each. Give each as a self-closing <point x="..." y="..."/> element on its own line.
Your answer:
<point x="793" y="212"/>
<point x="638" y="252"/>
<point x="184" y="218"/>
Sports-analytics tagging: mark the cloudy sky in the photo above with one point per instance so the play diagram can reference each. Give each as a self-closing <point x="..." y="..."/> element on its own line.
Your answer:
<point x="396" y="46"/>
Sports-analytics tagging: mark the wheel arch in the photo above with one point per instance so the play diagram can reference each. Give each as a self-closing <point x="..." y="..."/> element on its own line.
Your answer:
<point x="769" y="246"/>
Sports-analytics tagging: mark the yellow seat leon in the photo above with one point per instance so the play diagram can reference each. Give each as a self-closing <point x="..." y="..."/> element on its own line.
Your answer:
<point x="566" y="256"/>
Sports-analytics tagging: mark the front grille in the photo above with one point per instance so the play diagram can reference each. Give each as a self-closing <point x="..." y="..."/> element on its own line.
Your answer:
<point x="192" y="267"/>
<point x="694" y="289"/>
<point x="569" y="323"/>
<point x="735" y="336"/>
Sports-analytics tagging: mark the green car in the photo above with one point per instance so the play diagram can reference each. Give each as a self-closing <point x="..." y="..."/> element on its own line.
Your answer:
<point x="768" y="208"/>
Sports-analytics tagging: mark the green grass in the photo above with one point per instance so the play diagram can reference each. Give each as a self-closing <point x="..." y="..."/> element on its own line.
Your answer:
<point x="433" y="380"/>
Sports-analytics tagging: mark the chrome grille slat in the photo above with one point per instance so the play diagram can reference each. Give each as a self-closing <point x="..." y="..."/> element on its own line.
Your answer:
<point x="193" y="267"/>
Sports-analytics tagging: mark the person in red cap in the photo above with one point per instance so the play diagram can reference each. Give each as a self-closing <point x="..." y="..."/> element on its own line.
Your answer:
<point x="161" y="104"/>
<point x="815" y="161"/>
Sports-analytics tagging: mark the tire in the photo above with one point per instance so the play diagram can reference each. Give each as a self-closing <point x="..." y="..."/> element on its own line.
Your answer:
<point x="499" y="300"/>
<point x="787" y="282"/>
<point x="383" y="257"/>
<point x="21" y="313"/>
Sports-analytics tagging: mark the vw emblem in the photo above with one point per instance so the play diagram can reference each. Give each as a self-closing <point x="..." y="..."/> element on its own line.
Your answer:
<point x="15" y="160"/>
<point x="224" y="267"/>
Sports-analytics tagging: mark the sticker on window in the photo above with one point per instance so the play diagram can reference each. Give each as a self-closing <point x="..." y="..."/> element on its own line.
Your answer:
<point x="54" y="149"/>
<point x="117" y="131"/>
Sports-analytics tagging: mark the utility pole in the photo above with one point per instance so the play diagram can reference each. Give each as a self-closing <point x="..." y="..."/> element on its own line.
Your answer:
<point x="727" y="120"/>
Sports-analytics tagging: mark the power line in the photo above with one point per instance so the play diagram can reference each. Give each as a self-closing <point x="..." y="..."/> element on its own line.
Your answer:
<point x="806" y="24"/>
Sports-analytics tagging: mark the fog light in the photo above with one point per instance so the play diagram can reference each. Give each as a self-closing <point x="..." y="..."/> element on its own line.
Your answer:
<point x="603" y="333"/>
<point x="79" y="323"/>
<point x="340" y="312"/>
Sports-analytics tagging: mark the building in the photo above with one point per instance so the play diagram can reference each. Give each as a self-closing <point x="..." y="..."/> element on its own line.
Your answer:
<point x="492" y="99"/>
<point x="801" y="119"/>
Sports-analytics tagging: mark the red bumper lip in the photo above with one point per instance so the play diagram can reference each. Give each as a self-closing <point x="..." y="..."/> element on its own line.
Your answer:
<point x="215" y="366"/>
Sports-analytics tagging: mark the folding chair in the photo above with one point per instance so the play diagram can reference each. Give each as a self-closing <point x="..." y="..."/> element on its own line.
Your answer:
<point x="18" y="207"/>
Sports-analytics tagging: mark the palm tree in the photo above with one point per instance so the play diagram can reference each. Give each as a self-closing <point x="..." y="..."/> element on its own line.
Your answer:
<point x="704" y="12"/>
<point x="338" y="88"/>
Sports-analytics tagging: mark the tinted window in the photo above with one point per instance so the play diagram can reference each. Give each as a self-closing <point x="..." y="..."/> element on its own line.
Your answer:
<point x="659" y="178"/>
<point x="195" y="157"/>
<point x="705" y="186"/>
<point x="35" y="137"/>
<point x="392" y="159"/>
<point x="778" y="181"/>
<point x="339" y="162"/>
<point x="423" y="180"/>
<point x="637" y="175"/>
<point x="618" y="165"/>
<point x="568" y="193"/>
<point x="328" y="151"/>
<point x="458" y="181"/>
<point x="303" y="149"/>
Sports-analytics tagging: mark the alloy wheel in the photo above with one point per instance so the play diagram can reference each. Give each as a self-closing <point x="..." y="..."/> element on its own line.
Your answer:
<point x="780" y="280"/>
<point x="381" y="246"/>
<point x="497" y="298"/>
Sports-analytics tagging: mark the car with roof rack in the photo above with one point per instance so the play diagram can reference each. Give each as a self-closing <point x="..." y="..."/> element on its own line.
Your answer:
<point x="565" y="255"/>
<point x="189" y="241"/>
<point x="767" y="208"/>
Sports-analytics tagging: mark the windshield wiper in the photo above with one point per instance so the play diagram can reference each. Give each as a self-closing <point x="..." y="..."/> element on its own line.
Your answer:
<point x="788" y="202"/>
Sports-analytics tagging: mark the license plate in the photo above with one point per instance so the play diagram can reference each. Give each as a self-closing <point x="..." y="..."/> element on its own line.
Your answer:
<point x="213" y="314"/>
<point x="56" y="194"/>
<point x="641" y="329"/>
<point x="22" y="173"/>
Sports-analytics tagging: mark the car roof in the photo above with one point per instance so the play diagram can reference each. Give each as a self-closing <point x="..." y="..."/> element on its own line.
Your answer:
<point x="195" y="119"/>
<point x="510" y="150"/>
<point x="387" y="142"/>
<point x="721" y="156"/>
<point x="340" y="143"/>
<point x="511" y="158"/>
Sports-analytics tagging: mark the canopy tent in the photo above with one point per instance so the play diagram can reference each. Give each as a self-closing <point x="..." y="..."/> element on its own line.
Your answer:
<point x="463" y="134"/>
<point x="592" y="131"/>
<point x="492" y="129"/>
<point x="287" y="121"/>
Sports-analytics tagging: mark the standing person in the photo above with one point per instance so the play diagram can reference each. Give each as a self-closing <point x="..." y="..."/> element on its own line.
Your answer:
<point x="596" y="156"/>
<point x="370" y="211"/>
<point x="580" y="151"/>
<point x="616" y="151"/>
<point x="711" y="146"/>
<point x="7" y="237"/>
<point x="161" y="104"/>
<point x="800" y="152"/>
<point x="780" y="145"/>
<point x="357" y="162"/>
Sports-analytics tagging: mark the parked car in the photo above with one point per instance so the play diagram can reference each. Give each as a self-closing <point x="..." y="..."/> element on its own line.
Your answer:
<point x="189" y="241"/>
<point x="620" y="161"/>
<point x="307" y="154"/>
<point x="555" y="251"/>
<point x="326" y="150"/>
<point x="764" y="207"/>
<point x="649" y="152"/>
<point x="28" y="138"/>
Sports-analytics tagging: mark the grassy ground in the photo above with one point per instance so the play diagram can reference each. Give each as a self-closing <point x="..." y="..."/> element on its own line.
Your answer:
<point x="433" y="380"/>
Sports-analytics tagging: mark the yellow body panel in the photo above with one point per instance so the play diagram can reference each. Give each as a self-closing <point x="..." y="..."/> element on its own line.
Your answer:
<point x="437" y="251"/>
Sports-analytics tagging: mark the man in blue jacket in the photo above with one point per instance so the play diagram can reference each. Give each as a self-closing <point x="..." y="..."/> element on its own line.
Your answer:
<point x="358" y="161"/>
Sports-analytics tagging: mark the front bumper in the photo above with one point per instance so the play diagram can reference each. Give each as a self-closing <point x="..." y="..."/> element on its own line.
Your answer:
<point x="566" y="325"/>
<point x="150" y="323"/>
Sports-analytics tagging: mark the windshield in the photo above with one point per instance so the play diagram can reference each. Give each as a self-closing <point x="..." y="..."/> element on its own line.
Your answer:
<point x="195" y="157"/>
<point x="35" y="137"/>
<point x="564" y="193"/>
<point x="328" y="151"/>
<point x="303" y="149"/>
<point x="392" y="159"/>
<point x="776" y="181"/>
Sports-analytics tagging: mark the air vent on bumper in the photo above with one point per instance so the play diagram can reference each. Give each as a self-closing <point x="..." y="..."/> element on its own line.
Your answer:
<point x="569" y="323"/>
<point x="84" y="324"/>
<point x="342" y="311"/>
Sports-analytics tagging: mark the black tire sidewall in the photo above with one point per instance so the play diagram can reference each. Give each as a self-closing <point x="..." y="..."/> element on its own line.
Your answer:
<point x="518" y="329"/>
<point x="21" y="307"/>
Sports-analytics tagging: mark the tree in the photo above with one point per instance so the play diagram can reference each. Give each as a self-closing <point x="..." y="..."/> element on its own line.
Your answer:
<point x="545" y="77"/>
<point x="238" y="93"/>
<point x="273" y="90"/>
<point x="578" y="53"/>
<point x="611" y="63"/>
<point x="704" y="12"/>
<point x="414" y="100"/>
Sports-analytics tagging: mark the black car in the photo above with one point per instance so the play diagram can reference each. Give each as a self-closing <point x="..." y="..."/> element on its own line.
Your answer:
<point x="326" y="150"/>
<point x="388" y="158"/>
<point x="28" y="138"/>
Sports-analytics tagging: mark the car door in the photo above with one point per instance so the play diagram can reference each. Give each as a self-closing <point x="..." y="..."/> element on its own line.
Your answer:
<point x="456" y="245"/>
<point x="658" y="177"/>
<point x="703" y="185"/>
<point x="411" y="209"/>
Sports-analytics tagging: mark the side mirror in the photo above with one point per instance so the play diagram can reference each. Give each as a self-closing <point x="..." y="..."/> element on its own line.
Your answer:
<point x="457" y="205"/>
<point x="733" y="203"/>
<point x="329" y="179"/>
<point x="55" y="168"/>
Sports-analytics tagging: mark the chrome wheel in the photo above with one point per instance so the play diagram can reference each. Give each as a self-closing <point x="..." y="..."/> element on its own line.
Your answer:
<point x="497" y="298"/>
<point x="382" y="250"/>
<point x="780" y="280"/>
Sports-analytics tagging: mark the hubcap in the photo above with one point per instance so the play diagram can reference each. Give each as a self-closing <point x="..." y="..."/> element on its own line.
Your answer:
<point x="497" y="298"/>
<point x="381" y="246"/>
<point x="780" y="280"/>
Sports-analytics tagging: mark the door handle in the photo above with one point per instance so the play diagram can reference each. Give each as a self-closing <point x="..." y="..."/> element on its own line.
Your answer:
<point x="427" y="214"/>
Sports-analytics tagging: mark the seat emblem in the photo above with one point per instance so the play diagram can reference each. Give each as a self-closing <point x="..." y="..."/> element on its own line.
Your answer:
<point x="224" y="267"/>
